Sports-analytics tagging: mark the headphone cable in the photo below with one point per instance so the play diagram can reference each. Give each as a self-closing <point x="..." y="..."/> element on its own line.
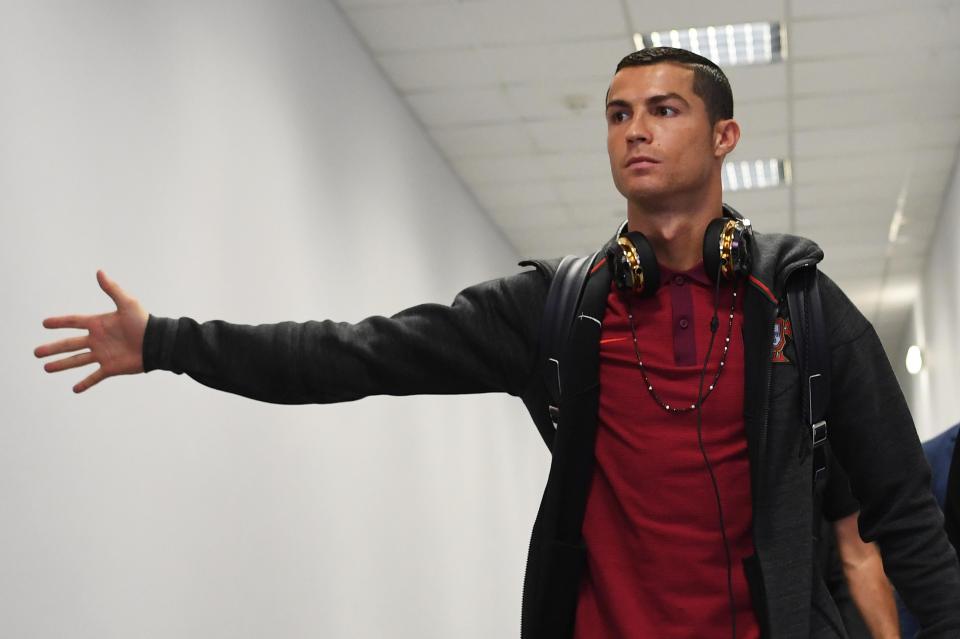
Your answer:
<point x="714" y="324"/>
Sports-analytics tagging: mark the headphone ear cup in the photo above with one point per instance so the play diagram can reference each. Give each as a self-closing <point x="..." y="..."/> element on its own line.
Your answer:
<point x="646" y="270"/>
<point x="648" y="262"/>
<point x="711" y="247"/>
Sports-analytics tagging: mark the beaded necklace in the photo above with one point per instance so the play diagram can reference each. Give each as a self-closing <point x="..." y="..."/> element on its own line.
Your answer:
<point x="643" y="371"/>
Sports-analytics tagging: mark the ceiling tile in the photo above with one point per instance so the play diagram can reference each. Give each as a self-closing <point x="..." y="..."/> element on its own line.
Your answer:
<point x="757" y="82"/>
<point x="350" y="4"/>
<point x="513" y="196"/>
<point x="840" y="269"/>
<point x="755" y="204"/>
<point x="879" y="191"/>
<point x="884" y="72"/>
<point x="923" y="207"/>
<point x="771" y="221"/>
<point x="918" y="231"/>
<point x="833" y="215"/>
<point x="821" y="8"/>
<point x="561" y="62"/>
<point x="878" y="187"/>
<point x="907" y="263"/>
<point x="438" y="69"/>
<point x="683" y="14"/>
<point x="874" y="232"/>
<point x="580" y="191"/>
<point x="551" y="99"/>
<point x="531" y="217"/>
<point x="602" y="200"/>
<point x="847" y="249"/>
<point x="760" y="146"/>
<point x="555" y="241"/>
<point x="605" y="214"/>
<point x="509" y="168"/>
<point x="874" y="108"/>
<point x="761" y="118"/>
<point x="882" y="138"/>
<point x="931" y="26"/>
<point x="572" y="134"/>
<point x="872" y="165"/>
<point x="485" y="140"/>
<point x="864" y="212"/>
<point x="496" y="22"/>
<point x="411" y="27"/>
<point x="577" y="164"/>
<point x="466" y="106"/>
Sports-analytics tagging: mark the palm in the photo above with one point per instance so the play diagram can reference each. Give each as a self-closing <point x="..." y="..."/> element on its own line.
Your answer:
<point x="113" y="340"/>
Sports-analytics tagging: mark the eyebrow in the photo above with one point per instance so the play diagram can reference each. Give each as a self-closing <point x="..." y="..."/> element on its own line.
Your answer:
<point x="654" y="99"/>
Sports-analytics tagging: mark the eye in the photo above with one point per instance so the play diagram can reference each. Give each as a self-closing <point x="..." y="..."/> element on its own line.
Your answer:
<point x="666" y="111"/>
<point x="618" y="116"/>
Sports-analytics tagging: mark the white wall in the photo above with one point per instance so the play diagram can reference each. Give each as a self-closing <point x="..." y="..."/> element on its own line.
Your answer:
<point x="934" y="393"/>
<point x="246" y="161"/>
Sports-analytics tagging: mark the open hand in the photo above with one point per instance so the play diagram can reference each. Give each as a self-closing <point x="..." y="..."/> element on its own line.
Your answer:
<point x="113" y="340"/>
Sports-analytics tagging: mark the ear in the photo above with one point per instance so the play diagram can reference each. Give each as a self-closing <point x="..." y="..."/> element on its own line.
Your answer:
<point x="726" y="134"/>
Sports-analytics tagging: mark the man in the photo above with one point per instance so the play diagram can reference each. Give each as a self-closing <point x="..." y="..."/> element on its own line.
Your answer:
<point x="941" y="453"/>
<point x="685" y="520"/>
<point x="951" y="497"/>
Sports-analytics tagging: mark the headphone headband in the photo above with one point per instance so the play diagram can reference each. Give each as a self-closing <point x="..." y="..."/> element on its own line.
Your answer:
<point x="726" y="252"/>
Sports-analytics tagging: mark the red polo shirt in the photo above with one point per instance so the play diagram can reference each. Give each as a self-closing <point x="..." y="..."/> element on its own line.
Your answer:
<point x="656" y="565"/>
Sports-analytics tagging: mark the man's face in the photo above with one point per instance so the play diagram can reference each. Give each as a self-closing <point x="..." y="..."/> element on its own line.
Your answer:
<point x="659" y="136"/>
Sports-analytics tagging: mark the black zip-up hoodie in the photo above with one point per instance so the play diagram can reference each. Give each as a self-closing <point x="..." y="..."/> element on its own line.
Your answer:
<point x="487" y="340"/>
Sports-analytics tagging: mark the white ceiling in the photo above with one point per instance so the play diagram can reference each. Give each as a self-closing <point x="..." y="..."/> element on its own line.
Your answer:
<point x="866" y="106"/>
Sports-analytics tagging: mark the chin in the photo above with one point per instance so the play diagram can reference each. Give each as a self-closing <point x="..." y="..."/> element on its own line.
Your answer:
<point x="644" y="193"/>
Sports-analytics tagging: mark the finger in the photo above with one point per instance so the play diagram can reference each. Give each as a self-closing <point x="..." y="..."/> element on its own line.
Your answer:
<point x="80" y="359"/>
<point x="92" y="379"/>
<point x="67" y="321"/>
<point x="112" y="289"/>
<point x="63" y="346"/>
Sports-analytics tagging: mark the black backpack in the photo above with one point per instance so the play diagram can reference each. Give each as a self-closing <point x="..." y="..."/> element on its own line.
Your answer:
<point x="809" y="334"/>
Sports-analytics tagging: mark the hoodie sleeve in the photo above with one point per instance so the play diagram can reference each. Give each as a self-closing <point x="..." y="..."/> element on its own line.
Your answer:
<point x="484" y="341"/>
<point x="874" y="438"/>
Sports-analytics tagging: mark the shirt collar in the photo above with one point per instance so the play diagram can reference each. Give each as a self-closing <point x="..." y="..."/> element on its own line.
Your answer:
<point x="696" y="274"/>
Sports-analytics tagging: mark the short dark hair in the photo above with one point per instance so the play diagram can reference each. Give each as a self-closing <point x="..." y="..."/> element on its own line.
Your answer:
<point x="709" y="80"/>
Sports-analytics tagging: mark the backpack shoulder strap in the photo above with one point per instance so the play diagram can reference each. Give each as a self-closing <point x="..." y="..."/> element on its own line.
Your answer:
<point x="813" y="353"/>
<point x="558" y="312"/>
<point x="563" y="297"/>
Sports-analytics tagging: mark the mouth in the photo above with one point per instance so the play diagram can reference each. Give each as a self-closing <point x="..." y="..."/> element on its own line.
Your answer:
<point x="641" y="161"/>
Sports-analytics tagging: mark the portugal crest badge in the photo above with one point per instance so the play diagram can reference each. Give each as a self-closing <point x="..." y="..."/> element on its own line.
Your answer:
<point x="781" y="331"/>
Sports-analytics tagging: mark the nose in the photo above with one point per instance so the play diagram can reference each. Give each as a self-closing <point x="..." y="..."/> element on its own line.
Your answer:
<point x="638" y="131"/>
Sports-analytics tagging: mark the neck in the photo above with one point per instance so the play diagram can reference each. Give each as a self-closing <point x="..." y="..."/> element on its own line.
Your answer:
<point x="676" y="233"/>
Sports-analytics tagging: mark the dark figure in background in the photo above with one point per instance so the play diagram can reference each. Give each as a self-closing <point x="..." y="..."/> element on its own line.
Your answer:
<point x="942" y="454"/>
<point x="951" y="497"/>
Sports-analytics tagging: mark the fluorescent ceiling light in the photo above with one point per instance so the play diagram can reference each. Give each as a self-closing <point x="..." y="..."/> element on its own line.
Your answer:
<point x="914" y="360"/>
<point x="755" y="174"/>
<point x="727" y="45"/>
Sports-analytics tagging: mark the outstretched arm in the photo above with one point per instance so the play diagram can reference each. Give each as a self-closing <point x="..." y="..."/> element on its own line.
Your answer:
<point x="485" y="341"/>
<point x="113" y="340"/>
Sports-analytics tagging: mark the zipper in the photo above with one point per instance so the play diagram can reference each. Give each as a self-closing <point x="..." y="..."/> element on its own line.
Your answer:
<point x="788" y="272"/>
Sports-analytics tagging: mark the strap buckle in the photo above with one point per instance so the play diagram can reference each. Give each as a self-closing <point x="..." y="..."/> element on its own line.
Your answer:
<point x="554" y="414"/>
<point x="818" y="433"/>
